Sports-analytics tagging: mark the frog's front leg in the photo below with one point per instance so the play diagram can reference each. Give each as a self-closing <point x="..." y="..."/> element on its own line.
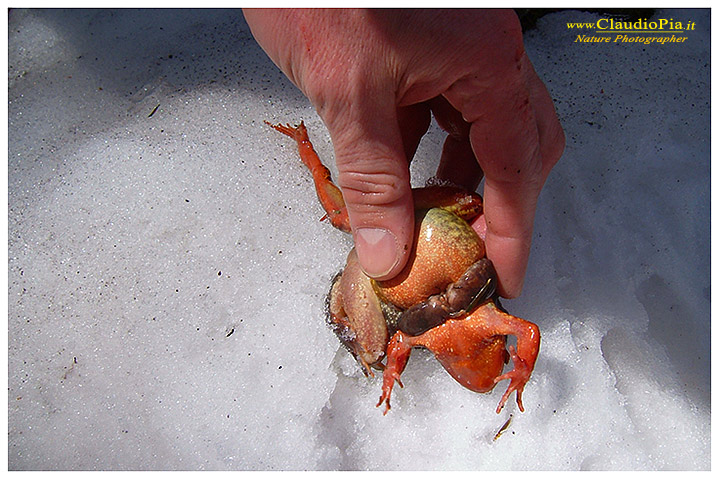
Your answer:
<point x="475" y="286"/>
<point x="528" y="346"/>
<point x="398" y="352"/>
<point x="495" y="321"/>
<point x="472" y="350"/>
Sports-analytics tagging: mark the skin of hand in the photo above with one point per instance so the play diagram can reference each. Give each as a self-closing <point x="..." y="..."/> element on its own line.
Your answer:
<point x="376" y="76"/>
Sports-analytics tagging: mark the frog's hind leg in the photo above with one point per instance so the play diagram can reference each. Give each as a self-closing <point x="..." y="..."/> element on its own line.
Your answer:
<point x="356" y="315"/>
<point x="328" y="193"/>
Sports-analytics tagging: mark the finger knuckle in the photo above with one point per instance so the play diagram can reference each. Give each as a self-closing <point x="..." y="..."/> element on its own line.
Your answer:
<point x="371" y="188"/>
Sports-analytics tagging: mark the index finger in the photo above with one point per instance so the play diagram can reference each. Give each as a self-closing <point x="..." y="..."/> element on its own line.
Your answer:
<point x="517" y="139"/>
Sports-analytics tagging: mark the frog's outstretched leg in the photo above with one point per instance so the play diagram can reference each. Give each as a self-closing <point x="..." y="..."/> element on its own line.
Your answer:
<point x="328" y="193"/>
<point x="464" y="204"/>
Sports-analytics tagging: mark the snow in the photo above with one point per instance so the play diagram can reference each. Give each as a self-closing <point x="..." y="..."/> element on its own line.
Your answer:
<point x="168" y="272"/>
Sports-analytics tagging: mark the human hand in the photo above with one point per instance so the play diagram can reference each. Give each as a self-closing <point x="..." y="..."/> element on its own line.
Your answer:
<point x="375" y="76"/>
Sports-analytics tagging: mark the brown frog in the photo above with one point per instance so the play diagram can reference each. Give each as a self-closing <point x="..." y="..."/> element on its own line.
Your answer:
<point x="443" y="300"/>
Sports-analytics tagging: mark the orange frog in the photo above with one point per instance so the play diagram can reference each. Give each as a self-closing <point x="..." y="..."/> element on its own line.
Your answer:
<point x="443" y="300"/>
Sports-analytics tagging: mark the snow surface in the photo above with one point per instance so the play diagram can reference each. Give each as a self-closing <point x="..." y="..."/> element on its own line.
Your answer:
<point x="168" y="272"/>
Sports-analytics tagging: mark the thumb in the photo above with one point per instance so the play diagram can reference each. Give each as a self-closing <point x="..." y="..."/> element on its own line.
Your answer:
<point x="375" y="181"/>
